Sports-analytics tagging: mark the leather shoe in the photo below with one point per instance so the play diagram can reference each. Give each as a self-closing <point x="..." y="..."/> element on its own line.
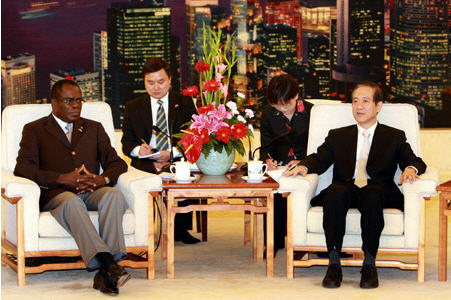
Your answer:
<point x="333" y="277"/>
<point x="185" y="237"/>
<point x="369" y="280"/>
<point x="117" y="275"/>
<point x="102" y="284"/>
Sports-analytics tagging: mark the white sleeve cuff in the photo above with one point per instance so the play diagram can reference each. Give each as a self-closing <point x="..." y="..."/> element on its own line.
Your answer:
<point x="135" y="151"/>
<point x="416" y="170"/>
<point x="176" y="153"/>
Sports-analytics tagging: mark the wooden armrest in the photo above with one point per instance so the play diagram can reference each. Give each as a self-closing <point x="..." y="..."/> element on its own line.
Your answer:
<point x="12" y="200"/>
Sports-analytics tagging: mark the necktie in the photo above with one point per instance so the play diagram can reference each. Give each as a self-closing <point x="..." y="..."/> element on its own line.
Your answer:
<point x="161" y="139"/>
<point x="69" y="132"/>
<point x="361" y="177"/>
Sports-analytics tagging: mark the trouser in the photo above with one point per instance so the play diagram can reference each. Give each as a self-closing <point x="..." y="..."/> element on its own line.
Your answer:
<point x="280" y="221"/>
<point x="71" y="212"/>
<point x="370" y="200"/>
<point x="184" y="221"/>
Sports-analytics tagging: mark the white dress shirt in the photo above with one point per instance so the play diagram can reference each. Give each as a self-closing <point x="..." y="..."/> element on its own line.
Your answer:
<point x="63" y="124"/>
<point x="360" y="139"/>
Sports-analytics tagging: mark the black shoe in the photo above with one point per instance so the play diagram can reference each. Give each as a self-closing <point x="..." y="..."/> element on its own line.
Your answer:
<point x="185" y="237"/>
<point x="117" y="275"/>
<point x="333" y="277"/>
<point x="369" y="277"/>
<point x="104" y="285"/>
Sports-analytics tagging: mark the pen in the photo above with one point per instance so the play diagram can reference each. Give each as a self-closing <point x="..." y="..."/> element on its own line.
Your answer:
<point x="144" y="142"/>
<point x="291" y="168"/>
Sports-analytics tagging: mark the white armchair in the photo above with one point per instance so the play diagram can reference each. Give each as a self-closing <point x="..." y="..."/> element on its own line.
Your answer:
<point x="30" y="233"/>
<point x="403" y="232"/>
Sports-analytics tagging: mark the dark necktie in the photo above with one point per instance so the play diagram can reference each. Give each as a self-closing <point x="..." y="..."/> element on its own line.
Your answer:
<point x="161" y="139"/>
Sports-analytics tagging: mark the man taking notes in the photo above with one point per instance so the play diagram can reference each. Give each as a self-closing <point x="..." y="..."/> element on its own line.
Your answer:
<point x="365" y="158"/>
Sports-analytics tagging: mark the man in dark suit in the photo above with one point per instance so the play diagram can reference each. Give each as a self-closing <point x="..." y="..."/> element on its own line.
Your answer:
<point x="63" y="153"/>
<point x="166" y="110"/>
<point x="365" y="158"/>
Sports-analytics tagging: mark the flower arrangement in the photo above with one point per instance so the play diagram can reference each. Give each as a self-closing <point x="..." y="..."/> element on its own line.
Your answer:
<point x="218" y="125"/>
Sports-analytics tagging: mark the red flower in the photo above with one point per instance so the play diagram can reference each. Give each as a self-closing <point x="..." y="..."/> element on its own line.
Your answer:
<point x="300" y="106"/>
<point x="223" y="134"/>
<point x="211" y="85"/>
<point x="192" y="144"/>
<point x="202" y="66"/>
<point x="204" y="109"/>
<point x="291" y="152"/>
<point x="204" y="136"/>
<point x="239" y="130"/>
<point x="191" y="91"/>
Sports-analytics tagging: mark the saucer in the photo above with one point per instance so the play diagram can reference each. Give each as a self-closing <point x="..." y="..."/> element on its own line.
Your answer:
<point x="254" y="180"/>
<point x="166" y="175"/>
<point x="191" y="179"/>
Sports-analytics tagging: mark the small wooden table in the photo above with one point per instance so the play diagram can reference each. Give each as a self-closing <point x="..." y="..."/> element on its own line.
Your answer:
<point x="259" y="196"/>
<point x="444" y="212"/>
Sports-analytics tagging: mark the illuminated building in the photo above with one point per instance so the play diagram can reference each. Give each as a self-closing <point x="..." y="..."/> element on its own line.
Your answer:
<point x="136" y="32"/>
<point x="360" y="44"/>
<point x="289" y="13"/>
<point x="316" y="15"/>
<point x="247" y="24"/>
<point x="18" y="79"/>
<point x="100" y="58"/>
<point x="319" y="60"/>
<point x="89" y="82"/>
<point x="420" y="51"/>
<point x="279" y="47"/>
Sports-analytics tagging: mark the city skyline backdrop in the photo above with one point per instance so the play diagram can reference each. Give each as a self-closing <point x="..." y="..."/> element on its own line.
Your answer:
<point x="329" y="54"/>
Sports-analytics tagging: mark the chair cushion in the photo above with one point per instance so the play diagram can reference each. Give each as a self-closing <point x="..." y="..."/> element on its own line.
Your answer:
<point x="393" y="218"/>
<point x="49" y="227"/>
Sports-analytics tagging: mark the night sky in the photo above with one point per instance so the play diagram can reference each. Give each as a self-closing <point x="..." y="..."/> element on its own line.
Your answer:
<point x="65" y="40"/>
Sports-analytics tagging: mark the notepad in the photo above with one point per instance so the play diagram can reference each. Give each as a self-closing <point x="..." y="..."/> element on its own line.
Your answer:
<point x="151" y="156"/>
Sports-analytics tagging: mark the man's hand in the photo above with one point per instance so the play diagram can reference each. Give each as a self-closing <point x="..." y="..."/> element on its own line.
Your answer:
<point x="409" y="174"/>
<point x="92" y="183"/>
<point x="298" y="170"/>
<point x="164" y="156"/>
<point x="145" y="149"/>
<point x="73" y="179"/>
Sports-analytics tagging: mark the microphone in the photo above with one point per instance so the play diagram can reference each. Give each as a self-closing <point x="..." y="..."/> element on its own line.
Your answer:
<point x="286" y="134"/>
<point x="158" y="130"/>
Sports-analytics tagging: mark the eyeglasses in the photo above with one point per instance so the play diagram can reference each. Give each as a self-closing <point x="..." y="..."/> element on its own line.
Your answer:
<point x="72" y="100"/>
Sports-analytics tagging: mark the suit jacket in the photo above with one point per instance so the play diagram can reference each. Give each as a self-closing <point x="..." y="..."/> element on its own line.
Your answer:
<point x="389" y="149"/>
<point x="45" y="153"/>
<point x="274" y="123"/>
<point x="138" y="124"/>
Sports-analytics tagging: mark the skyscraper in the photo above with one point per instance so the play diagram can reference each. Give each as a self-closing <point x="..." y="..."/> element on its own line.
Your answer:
<point x="360" y="43"/>
<point x="420" y="51"/>
<point x="279" y="47"/>
<point x="89" y="82"/>
<point x="18" y="79"/>
<point x="100" y="58"/>
<point x="136" y="32"/>
<point x="289" y="13"/>
<point x="198" y="12"/>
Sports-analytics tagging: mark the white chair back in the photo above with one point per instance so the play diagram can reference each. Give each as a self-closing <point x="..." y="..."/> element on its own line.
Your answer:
<point x="14" y="118"/>
<point x="325" y="117"/>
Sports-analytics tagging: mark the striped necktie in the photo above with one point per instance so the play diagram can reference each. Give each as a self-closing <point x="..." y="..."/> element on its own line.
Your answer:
<point x="69" y="132"/>
<point x="161" y="139"/>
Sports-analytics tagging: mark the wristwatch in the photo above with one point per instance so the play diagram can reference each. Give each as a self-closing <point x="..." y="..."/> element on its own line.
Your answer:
<point x="107" y="180"/>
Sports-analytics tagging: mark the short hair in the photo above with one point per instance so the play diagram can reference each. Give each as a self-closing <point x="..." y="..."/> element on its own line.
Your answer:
<point x="378" y="94"/>
<point x="281" y="89"/>
<point x="57" y="87"/>
<point x="155" y="64"/>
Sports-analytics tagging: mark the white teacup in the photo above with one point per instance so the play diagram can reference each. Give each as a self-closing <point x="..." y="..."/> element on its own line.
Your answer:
<point x="181" y="170"/>
<point x="256" y="169"/>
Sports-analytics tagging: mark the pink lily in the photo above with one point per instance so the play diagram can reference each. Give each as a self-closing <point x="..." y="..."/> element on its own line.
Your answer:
<point x="249" y="113"/>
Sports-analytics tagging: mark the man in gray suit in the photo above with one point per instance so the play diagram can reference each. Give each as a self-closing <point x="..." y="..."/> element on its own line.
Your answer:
<point x="63" y="153"/>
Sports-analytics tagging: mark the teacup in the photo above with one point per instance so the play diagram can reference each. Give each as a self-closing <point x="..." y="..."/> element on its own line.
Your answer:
<point x="181" y="170"/>
<point x="256" y="169"/>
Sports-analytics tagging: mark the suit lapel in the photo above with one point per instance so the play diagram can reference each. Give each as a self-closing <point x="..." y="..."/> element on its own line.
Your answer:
<point x="145" y="114"/>
<point x="375" y="143"/>
<point x="54" y="129"/>
<point x="351" y="148"/>
<point x="174" y="110"/>
<point x="78" y="131"/>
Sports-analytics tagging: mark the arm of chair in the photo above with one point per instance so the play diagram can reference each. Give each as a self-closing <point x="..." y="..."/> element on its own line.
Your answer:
<point x="413" y="193"/>
<point x="136" y="185"/>
<point x="301" y="190"/>
<point x="30" y="192"/>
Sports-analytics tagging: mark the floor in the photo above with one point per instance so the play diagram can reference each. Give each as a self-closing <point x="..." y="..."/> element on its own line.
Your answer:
<point x="222" y="268"/>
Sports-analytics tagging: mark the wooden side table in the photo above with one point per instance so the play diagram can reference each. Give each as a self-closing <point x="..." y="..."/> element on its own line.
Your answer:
<point x="444" y="212"/>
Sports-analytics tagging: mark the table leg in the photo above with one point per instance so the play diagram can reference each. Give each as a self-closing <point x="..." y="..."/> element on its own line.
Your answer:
<point x="170" y="237"/>
<point x="443" y="232"/>
<point x="247" y="226"/>
<point x="164" y="227"/>
<point x="270" y="235"/>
